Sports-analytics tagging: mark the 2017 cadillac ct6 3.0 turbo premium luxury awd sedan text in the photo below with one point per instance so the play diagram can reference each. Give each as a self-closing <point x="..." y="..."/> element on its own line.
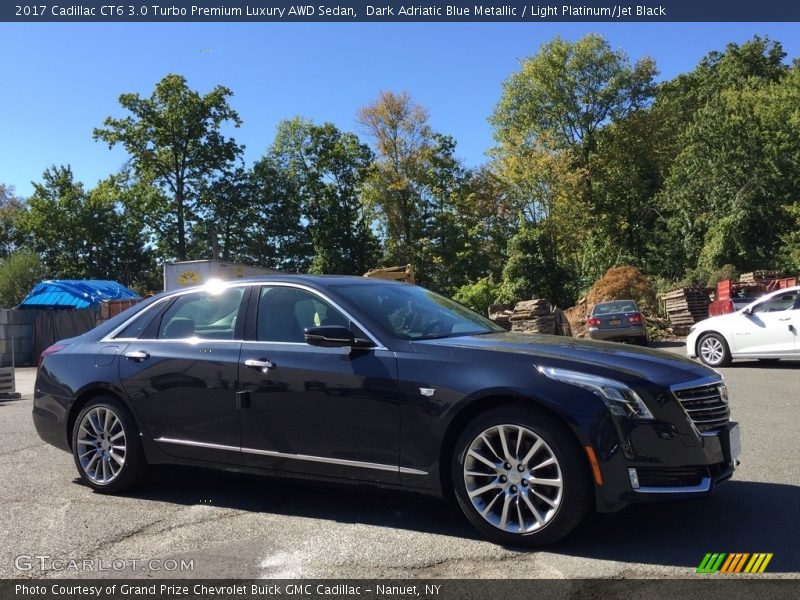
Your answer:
<point x="360" y="380"/>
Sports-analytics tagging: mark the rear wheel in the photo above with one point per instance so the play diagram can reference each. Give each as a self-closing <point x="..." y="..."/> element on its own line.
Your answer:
<point x="713" y="350"/>
<point x="520" y="478"/>
<point x="106" y="446"/>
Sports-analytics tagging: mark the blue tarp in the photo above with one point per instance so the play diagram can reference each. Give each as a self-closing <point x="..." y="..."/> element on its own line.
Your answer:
<point x="75" y="293"/>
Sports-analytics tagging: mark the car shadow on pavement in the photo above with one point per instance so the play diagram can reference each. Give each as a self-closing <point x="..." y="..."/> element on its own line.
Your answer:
<point x="741" y="516"/>
<point x="358" y="504"/>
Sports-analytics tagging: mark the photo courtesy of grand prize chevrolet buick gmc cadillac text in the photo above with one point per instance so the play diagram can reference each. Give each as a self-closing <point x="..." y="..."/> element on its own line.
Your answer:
<point x="347" y="379"/>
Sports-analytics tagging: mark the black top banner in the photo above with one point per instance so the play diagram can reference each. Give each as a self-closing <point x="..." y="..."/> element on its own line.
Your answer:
<point x="398" y="11"/>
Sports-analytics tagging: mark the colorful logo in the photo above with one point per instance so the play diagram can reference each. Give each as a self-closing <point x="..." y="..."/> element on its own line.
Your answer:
<point x="736" y="562"/>
<point x="188" y="278"/>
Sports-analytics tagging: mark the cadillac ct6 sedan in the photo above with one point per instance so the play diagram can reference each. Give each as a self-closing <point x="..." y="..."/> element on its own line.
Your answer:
<point x="346" y="379"/>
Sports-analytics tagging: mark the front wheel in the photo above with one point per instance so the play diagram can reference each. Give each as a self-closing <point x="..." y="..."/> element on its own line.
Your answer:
<point x="713" y="350"/>
<point x="106" y="446"/>
<point x="520" y="478"/>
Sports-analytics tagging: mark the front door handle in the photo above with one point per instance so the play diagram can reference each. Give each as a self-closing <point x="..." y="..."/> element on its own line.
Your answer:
<point x="261" y="364"/>
<point x="137" y="355"/>
<point x="786" y="319"/>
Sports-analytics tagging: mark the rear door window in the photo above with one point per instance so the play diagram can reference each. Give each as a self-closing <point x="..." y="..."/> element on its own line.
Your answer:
<point x="204" y="315"/>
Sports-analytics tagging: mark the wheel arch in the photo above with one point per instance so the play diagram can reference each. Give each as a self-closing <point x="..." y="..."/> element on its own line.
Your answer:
<point x="472" y="409"/>
<point x="83" y="399"/>
<point x="706" y="332"/>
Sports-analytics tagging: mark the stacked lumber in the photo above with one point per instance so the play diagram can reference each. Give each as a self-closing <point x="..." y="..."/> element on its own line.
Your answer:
<point x="756" y="276"/>
<point x="401" y="273"/>
<point x="501" y="314"/>
<point x="685" y="307"/>
<point x="533" y="316"/>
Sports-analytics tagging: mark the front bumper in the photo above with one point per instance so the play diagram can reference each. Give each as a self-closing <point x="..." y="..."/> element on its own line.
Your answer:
<point x="674" y="468"/>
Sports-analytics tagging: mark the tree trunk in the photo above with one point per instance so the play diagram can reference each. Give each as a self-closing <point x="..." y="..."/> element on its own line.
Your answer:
<point x="179" y="202"/>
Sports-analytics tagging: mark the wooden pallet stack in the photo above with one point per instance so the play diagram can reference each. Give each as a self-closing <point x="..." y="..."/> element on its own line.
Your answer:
<point x="685" y="307"/>
<point x="501" y="314"/>
<point x="756" y="276"/>
<point x="533" y="316"/>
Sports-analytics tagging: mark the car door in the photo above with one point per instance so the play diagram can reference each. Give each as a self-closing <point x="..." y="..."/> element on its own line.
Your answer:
<point x="181" y="375"/>
<point x="313" y="410"/>
<point x="770" y="329"/>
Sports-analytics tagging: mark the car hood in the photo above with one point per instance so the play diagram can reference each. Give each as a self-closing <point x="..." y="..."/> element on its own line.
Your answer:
<point x="620" y="361"/>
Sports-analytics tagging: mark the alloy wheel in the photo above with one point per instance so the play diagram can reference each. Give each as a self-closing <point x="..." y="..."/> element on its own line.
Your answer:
<point x="513" y="478"/>
<point x="101" y="445"/>
<point x="712" y="351"/>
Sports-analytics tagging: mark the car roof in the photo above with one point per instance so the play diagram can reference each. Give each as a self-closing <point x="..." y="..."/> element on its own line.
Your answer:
<point x="321" y="280"/>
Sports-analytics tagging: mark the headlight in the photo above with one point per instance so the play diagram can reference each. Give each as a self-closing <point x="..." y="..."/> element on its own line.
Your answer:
<point x="619" y="398"/>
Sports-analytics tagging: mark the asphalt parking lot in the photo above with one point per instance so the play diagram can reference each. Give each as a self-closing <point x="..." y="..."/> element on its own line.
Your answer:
<point x="243" y="526"/>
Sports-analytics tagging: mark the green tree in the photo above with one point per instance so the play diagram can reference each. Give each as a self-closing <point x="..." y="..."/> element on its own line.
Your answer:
<point x="560" y="139"/>
<point x="19" y="272"/>
<point x="402" y="139"/>
<point x="278" y="235"/>
<point x="175" y="139"/>
<point x="84" y="235"/>
<point x="329" y="168"/>
<point x="11" y="208"/>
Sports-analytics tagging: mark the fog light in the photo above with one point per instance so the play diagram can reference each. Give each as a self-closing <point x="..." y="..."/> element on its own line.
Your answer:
<point x="634" y="478"/>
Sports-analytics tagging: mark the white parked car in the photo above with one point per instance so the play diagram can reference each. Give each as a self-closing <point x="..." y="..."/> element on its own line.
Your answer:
<point x="766" y="329"/>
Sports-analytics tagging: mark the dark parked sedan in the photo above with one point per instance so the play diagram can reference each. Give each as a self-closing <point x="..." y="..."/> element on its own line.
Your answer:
<point x="618" y="321"/>
<point x="356" y="380"/>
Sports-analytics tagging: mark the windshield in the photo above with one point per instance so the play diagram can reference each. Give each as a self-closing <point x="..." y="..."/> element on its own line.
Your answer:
<point x="414" y="313"/>
<point x="605" y="308"/>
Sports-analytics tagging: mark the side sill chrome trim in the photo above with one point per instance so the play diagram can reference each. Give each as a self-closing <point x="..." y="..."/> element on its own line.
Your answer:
<point x="703" y="486"/>
<point x="304" y="457"/>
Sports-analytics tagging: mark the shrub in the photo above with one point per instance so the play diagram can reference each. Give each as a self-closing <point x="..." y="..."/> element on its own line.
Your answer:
<point x="479" y="295"/>
<point x="624" y="282"/>
<point x="19" y="272"/>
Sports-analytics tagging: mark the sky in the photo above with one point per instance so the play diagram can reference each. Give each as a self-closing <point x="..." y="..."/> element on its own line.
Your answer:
<point x="62" y="80"/>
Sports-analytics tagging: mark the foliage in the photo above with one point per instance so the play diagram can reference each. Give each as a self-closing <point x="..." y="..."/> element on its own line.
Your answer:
<point x="328" y="169"/>
<point x="175" y="140"/>
<point x="532" y="269"/>
<point x="19" y="272"/>
<point x="478" y="295"/>
<point x="11" y="209"/>
<point x="724" y="272"/>
<point x="84" y="235"/>
<point x="623" y="283"/>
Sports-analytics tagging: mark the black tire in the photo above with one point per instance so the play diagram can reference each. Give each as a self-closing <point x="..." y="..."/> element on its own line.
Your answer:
<point x="642" y="341"/>
<point x="576" y="495"/>
<point x="133" y="466"/>
<point x="721" y="357"/>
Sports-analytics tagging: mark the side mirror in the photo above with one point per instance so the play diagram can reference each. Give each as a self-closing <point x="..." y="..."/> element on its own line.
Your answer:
<point x="748" y="311"/>
<point x="331" y="336"/>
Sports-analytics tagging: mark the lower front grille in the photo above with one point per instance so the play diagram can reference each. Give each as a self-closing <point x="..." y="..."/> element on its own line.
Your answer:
<point x="706" y="406"/>
<point x="670" y="476"/>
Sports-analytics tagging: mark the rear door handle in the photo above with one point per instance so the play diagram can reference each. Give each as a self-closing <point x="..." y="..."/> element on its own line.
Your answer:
<point x="137" y="355"/>
<point x="262" y="364"/>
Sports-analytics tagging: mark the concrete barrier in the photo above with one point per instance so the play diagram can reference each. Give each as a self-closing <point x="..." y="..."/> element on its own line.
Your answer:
<point x="8" y="386"/>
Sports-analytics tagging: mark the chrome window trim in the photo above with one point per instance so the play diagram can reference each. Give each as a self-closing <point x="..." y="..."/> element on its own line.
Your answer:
<point x="110" y="336"/>
<point x="703" y="486"/>
<point x="303" y="457"/>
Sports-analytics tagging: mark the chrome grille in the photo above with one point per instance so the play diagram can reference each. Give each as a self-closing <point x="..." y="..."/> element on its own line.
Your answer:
<point x="707" y="406"/>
